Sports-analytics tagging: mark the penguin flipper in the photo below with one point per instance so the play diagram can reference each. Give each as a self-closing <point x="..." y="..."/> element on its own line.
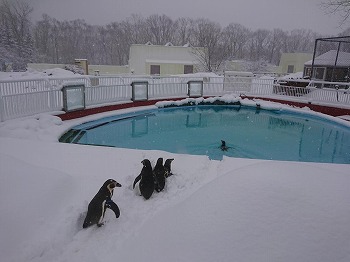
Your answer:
<point x="137" y="179"/>
<point x="113" y="206"/>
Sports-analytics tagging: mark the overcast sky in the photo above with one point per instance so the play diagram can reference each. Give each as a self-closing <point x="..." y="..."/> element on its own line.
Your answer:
<point x="253" y="14"/>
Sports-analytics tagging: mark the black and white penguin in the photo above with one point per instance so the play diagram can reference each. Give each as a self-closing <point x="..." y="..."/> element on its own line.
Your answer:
<point x="223" y="146"/>
<point x="167" y="167"/>
<point x="101" y="201"/>
<point x="146" y="179"/>
<point x="159" y="174"/>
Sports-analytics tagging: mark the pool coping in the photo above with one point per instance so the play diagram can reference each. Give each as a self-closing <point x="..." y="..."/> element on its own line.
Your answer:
<point x="325" y="109"/>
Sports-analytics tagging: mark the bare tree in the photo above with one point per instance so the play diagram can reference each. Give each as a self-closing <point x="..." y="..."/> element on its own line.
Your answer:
<point x="258" y="45"/>
<point x="275" y="45"/>
<point x="118" y="43"/>
<point x="136" y="29"/>
<point x="209" y="35"/>
<point x="160" y="29"/>
<point x="62" y="41"/>
<point x="338" y="6"/>
<point x="236" y="37"/>
<point x="184" y="29"/>
<point x="300" y="40"/>
<point x="16" y="42"/>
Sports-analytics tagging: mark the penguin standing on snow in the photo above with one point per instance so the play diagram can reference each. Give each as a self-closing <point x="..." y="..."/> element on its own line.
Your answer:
<point x="146" y="179"/>
<point x="167" y="167"/>
<point x="101" y="201"/>
<point x="159" y="174"/>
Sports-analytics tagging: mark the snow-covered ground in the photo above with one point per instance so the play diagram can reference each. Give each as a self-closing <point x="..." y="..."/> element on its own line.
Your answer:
<point x="229" y="210"/>
<point x="34" y="74"/>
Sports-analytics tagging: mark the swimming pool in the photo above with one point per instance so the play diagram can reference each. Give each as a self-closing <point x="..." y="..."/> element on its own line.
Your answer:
<point x="249" y="133"/>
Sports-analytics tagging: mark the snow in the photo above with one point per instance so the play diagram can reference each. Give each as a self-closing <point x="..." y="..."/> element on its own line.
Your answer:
<point x="34" y="74"/>
<point x="328" y="59"/>
<point x="297" y="75"/>
<point x="229" y="210"/>
<point x="345" y="117"/>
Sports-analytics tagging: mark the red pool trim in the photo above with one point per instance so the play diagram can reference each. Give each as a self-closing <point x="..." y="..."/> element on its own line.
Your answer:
<point x="97" y="110"/>
<point x="329" y="110"/>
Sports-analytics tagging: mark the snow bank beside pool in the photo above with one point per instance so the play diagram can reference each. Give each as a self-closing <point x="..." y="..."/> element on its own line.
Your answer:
<point x="256" y="103"/>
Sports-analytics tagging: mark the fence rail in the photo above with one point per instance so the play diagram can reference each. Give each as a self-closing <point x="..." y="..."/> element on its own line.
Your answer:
<point x="28" y="97"/>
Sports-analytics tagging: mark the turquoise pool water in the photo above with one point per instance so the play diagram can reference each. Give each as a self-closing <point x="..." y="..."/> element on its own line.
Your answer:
<point x="198" y="130"/>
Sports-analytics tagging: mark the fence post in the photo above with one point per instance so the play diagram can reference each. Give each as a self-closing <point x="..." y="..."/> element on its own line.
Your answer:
<point x="139" y="91"/>
<point x="195" y="88"/>
<point x="51" y="96"/>
<point x="2" y="108"/>
<point x="73" y="97"/>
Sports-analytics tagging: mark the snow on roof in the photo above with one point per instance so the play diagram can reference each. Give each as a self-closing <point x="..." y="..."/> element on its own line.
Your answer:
<point x="328" y="59"/>
<point x="34" y="74"/>
<point x="161" y="61"/>
<point x="297" y="75"/>
<point x="200" y="74"/>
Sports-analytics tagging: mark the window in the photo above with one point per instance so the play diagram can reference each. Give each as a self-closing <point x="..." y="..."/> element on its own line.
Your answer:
<point x="290" y="69"/>
<point x="155" y="69"/>
<point x="318" y="73"/>
<point x="337" y="75"/>
<point x="188" y="69"/>
<point x="307" y="71"/>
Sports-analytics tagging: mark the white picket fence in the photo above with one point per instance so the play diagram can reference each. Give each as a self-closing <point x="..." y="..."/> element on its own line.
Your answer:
<point x="33" y="96"/>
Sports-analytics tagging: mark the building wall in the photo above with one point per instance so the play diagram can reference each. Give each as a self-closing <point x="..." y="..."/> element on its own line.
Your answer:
<point x="170" y="58"/>
<point x="108" y="69"/>
<point x="295" y="60"/>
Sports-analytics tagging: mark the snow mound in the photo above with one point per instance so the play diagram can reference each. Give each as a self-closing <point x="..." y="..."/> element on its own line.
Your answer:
<point x="34" y="74"/>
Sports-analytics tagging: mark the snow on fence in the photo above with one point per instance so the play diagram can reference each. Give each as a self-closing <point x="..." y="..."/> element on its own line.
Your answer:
<point x="28" y="97"/>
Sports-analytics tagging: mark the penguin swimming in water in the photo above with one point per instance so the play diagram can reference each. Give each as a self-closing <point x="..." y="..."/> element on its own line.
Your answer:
<point x="159" y="174"/>
<point x="101" y="201"/>
<point x="146" y="179"/>
<point x="167" y="167"/>
<point x="223" y="146"/>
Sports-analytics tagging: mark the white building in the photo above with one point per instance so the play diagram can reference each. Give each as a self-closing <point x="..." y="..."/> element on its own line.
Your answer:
<point x="293" y="62"/>
<point x="151" y="59"/>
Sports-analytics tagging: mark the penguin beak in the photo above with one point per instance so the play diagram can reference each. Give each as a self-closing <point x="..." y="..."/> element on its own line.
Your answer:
<point x="114" y="184"/>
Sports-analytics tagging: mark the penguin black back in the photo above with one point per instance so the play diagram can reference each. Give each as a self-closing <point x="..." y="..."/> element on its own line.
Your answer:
<point x="159" y="174"/>
<point x="146" y="179"/>
<point x="167" y="167"/>
<point x="223" y="146"/>
<point x="101" y="201"/>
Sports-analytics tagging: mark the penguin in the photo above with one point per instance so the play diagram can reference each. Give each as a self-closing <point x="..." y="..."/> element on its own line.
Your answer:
<point x="159" y="175"/>
<point x="223" y="146"/>
<point x="146" y="179"/>
<point x="167" y="167"/>
<point x="101" y="201"/>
